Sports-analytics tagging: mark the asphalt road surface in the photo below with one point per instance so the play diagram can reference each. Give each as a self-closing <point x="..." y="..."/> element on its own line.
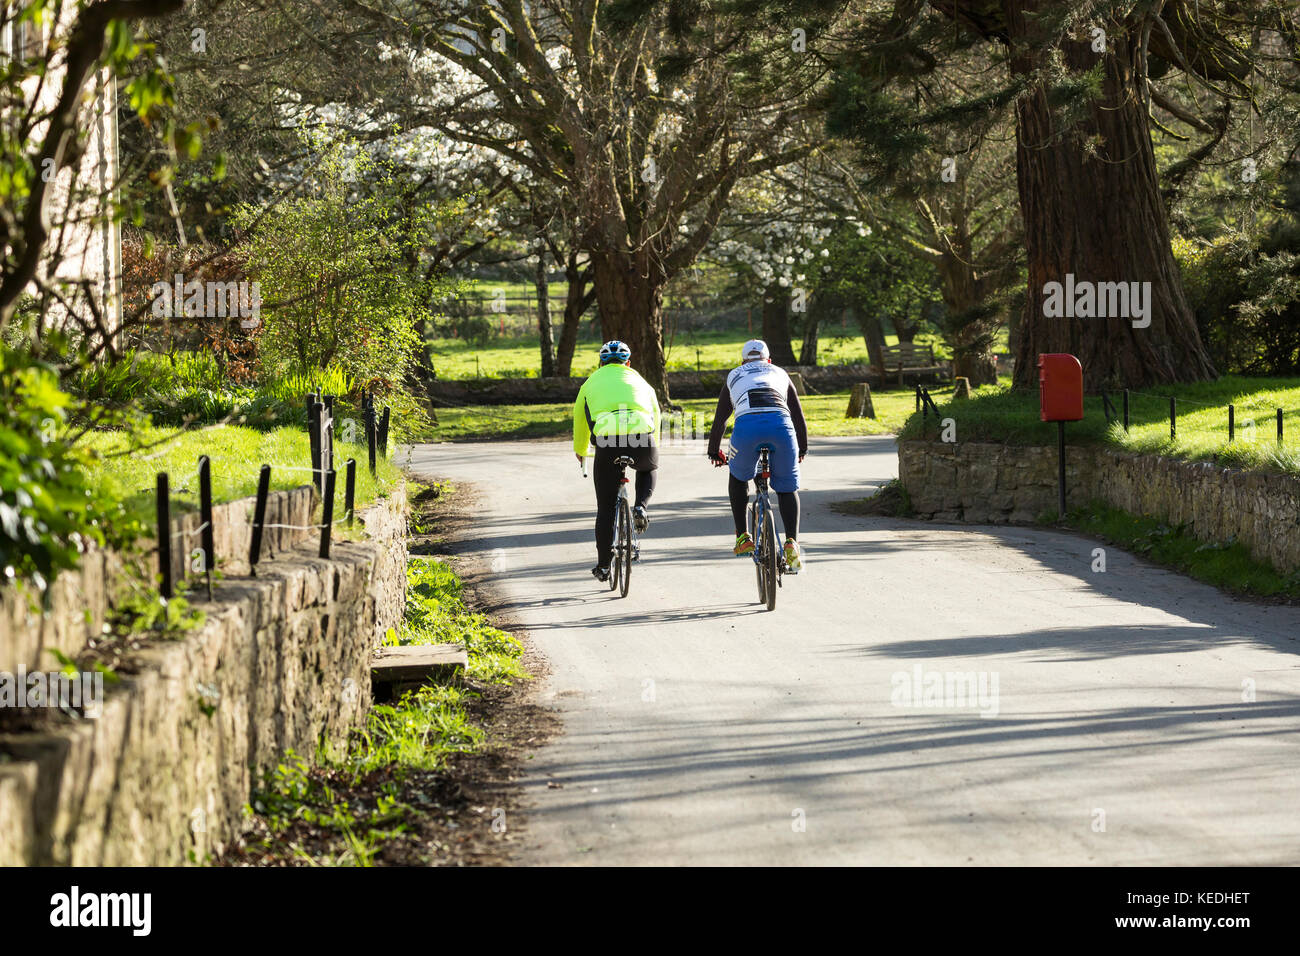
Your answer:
<point x="922" y="694"/>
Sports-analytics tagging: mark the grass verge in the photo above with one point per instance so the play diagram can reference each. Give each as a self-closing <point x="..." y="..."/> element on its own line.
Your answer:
<point x="388" y="798"/>
<point x="1227" y="565"/>
<point x="128" y="464"/>
<point x="890" y="501"/>
<point x="1002" y="415"/>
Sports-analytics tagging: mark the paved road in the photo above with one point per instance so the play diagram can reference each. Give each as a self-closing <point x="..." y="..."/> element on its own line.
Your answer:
<point x="701" y="730"/>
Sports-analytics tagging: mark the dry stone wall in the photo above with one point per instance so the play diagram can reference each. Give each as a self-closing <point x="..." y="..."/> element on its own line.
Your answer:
<point x="282" y="662"/>
<point x="992" y="483"/>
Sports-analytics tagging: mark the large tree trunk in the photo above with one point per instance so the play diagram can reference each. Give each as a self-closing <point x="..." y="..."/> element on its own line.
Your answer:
<point x="576" y="301"/>
<point x="811" y="320"/>
<point x="968" y="326"/>
<point x="544" y="315"/>
<point x="873" y="334"/>
<point x="904" y="325"/>
<point x="629" y="291"/>
<point x="1091" y="202"/>
<point x="776" y="324"/>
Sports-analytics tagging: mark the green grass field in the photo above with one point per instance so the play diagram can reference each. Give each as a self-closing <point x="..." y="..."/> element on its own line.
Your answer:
<point x="824" y="414"/>
<point x="1202" y="423"/>
<point x="520" y="357"/>
<point x="128" y="465"/>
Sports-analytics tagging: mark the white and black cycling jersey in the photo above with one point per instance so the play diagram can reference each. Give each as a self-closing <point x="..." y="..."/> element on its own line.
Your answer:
<point x="758" y="387"/>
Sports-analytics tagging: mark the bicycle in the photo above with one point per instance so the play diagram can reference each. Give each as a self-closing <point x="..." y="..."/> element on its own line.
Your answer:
<point x="769" y="558"/>
<point x="627" y="543"/>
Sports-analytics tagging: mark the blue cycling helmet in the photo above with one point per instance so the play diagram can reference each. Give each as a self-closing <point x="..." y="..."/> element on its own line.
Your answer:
<point x="614" y="351"/>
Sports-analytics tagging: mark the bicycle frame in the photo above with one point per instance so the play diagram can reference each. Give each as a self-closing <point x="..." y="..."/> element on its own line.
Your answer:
<point x="626" y="550"/>
<point x="763" y="504"/>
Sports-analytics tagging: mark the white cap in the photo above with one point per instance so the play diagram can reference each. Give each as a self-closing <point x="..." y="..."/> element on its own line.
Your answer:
<point x="754" y="350"/>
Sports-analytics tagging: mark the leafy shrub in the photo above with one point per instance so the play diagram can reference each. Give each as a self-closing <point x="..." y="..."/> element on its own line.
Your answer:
<point x="337" y="262"/>
<point x="293" y="386"/>
<point x="45" y="506"/>
<point x="136" y="377"/>
<point x="474" y="329"/>
<point x="1246" y="303"/>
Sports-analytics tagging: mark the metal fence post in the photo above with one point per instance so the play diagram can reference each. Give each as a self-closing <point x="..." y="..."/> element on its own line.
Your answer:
<point x="313" y="437"/>
<point x="327" y="519"/>
<point x="164" y="513"/>
<point x="259" y="517"/>
<point x="350" y="488"/>
<point x="206" y="537"/>
<point x="370" y="435"/>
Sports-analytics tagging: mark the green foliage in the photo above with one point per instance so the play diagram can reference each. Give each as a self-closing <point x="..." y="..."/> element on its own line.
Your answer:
<point x="46" y="509"/>
<point x="474" y="330"/>
<point x="142" y="610"/>
<point x="436" y="614"/>
<point x="1244" y="289"/>
<point x="295" y="793"/>
<point x="330" y="380"/>
<point x="339" y="268"/>
<point x="871" y="271"/>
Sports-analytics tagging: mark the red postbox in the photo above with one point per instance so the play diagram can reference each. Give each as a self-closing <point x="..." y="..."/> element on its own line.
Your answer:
<point x="1060" y="388"/>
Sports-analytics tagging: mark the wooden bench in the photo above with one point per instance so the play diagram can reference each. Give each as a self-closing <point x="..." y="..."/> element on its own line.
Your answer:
<point x="909" y="357"/>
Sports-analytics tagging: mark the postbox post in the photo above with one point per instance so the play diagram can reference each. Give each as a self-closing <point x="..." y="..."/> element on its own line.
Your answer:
<point x="1060" y="398"/>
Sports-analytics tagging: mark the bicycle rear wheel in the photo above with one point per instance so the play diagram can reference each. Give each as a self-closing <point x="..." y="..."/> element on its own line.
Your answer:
<point x="770" y="557"/>
<point x="623" y="556"/>
<point x="614" y="566"/>
<point x="758" y="565"/>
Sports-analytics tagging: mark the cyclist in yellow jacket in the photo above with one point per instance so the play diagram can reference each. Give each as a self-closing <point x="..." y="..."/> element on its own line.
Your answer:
<point x="618" y="410"/>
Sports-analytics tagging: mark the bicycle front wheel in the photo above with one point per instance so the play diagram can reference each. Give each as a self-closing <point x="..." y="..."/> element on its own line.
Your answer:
<point x="757" y="539"/>
<point x="623" y="556"/>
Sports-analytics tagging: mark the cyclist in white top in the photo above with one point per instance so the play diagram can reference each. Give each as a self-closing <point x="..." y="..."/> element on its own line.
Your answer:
<point x="767" y="413"/>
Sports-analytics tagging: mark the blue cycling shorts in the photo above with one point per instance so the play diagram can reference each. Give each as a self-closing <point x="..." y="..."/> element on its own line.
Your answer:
<point x="774" y="429"/>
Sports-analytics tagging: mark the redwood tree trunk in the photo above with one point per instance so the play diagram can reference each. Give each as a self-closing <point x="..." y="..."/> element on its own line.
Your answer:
<point x="629" y="290"/>
<point x="1096" y="213"/>
<point x="776" y="324"/>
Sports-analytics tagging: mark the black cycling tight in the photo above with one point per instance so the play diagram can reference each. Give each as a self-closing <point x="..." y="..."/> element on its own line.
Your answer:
<point x="787" y="503"/>
<point x="605" y="476"/>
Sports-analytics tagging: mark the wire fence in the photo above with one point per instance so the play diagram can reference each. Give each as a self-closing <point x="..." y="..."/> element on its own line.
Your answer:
<point x="1174" y="404"/>
<point x="320" y="429"/>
